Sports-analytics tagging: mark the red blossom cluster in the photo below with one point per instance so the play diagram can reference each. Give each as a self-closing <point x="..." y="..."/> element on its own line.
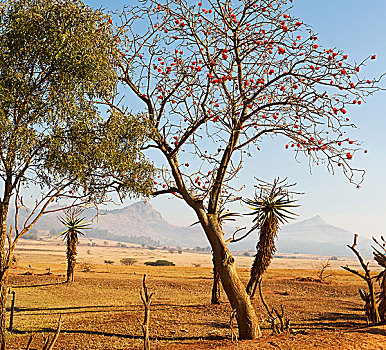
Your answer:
<point x="243" y="71"/>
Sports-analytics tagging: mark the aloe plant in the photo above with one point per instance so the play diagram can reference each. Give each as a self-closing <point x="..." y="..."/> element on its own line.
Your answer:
<point x="271" y="209"/>
<point x="75" y="224"/>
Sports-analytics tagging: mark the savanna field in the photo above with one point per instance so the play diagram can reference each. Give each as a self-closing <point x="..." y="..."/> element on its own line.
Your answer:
<point x="102" y="308"/>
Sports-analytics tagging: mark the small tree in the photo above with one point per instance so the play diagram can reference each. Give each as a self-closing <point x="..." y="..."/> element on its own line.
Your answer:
<point x="75" y="224"/>
<point x="58" y="59"/>
<point x="214" y="80"/>
<point x="128" y="261"/>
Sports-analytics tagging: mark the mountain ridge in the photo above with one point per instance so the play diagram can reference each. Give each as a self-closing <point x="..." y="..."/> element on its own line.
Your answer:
<point x="309" y="236"/>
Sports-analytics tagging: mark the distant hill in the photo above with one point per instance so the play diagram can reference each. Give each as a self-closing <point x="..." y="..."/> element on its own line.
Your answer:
<point x="314" y="236"/>
<point x="141" y="223"/>
<point x="137" y="223"/>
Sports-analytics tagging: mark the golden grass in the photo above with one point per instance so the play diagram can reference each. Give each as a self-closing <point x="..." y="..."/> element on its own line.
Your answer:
<point x="102" y="309"/>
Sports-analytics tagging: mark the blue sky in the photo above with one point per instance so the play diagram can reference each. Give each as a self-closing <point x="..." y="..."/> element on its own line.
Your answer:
<point x="358" y="27"/>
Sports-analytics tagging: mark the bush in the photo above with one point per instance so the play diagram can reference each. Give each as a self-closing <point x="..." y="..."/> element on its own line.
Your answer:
<point x="128" y="261"/>
<point x="160" y="263"/>
<point x="86" y="267"/>
<point x="246" y="254"/>
<point x="109" y="262"/>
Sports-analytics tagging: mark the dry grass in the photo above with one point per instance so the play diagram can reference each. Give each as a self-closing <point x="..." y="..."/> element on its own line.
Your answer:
<point x="103" y="310"/>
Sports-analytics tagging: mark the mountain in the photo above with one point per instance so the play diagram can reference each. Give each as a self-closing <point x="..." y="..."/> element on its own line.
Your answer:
<point x="314" y="236"/>
<point x="141" y="223"/>
<point x="140" y="219"/>
<point x="137" y="223"/>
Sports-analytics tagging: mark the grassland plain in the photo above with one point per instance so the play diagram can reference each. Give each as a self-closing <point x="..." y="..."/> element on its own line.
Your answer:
<point x="102" y="308"/>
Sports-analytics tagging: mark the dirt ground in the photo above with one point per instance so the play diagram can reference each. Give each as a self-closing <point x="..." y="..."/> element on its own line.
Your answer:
<point x="102" y="308"/>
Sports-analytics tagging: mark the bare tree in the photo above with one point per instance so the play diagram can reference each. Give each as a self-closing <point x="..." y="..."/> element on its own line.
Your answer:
<point x="371" y="306"/>
<point x="214" y="80"/>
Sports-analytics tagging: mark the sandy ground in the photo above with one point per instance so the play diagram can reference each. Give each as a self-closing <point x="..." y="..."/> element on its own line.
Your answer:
<point x="102" y="308"/>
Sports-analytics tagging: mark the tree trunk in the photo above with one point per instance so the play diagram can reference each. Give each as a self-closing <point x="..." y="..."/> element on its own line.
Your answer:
<point x="216" y="286"/>
<point x="71" y="256"/>
<point x="239" y="299"/>
<point x="265" y="250"/>
<point x="373" y="303"/>
<point x="252" y="283"/>
<point x="3" y="308"/>
<point x="4" y="265"/>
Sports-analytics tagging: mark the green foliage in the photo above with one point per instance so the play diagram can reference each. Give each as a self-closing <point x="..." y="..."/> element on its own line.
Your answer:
<point x="160" y="263"/>
<point x="58" y="62"/>
<point x="128" y="261"/>
<point x="74" y="224"/>
<point x="272" y="203"/>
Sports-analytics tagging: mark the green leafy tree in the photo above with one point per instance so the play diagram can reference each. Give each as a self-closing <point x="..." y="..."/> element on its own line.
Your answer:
<point x="75" y="224"/>
<point x="58" y="60"/>
<point x="270" y="208"/>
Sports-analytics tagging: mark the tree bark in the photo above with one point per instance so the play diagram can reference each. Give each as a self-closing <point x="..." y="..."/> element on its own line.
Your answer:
<point x="4" y="266"/>
<point x="216" y="286"/>
<point x="71" y="256"/>
<point x="239" y="299"/>
<point x="3" y="308"/>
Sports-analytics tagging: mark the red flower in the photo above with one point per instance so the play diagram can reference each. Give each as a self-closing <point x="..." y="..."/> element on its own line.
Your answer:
<point x="373" y="57"/>
<point x="345" y="57"/>
<point x="349" y="155"/>
<point x="343" y="111"/>
<point x="281" y="50"/>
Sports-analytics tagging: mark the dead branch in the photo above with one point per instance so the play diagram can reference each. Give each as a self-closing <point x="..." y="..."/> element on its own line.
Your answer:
<point x="371" y="307"/>
<point x="231" y="326"/>
<point x="274" y="315"/>
<point x="47" y="344"/>
<point x="325" y="265"/>
<point x="29" y="342"/>
<point x="146" y="300"/>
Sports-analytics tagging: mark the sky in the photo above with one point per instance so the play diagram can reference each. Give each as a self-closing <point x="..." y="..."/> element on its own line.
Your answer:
<point x="358" y="27"/>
